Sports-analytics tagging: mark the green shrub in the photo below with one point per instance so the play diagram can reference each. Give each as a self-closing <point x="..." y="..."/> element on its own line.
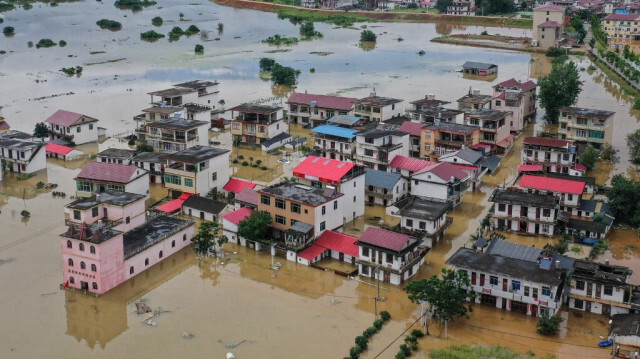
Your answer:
<point x="412" y="6"/>
<point x="199" y="49"/>
<point x="235" y="161"/>
<point x="362" y="342"/>
<point x="45" y="43"/>
<point x="192" y="30"/>
<point x="157" y="21"/>
<point x="369" y="332"/>
<point x="134" y="4"/>
<point x="405" y="350"/>
<point x="40" y="185"/>
<point x="144" y="147"/>
<point x="30" y="44"/>
<point x="62" y="43"/>
<point x="25" y="213"/>
<point x="245" y="163"/>
<point x="368" y="36"/>
<point x="8" y="30"/>
<point x="220" y="27"/>
<point x="417" y="333"/>
<point x="384" y="315"/>
<point x="555" y="52"/>
<point x="151" y="36"/>
<point x="378" y="323"/>
<point x="70" y="71"/>
<point x="109" y="24"/>
<point x="400" y="355"/>
<point x="264" y="168"/>
<point x="354" y="353"/>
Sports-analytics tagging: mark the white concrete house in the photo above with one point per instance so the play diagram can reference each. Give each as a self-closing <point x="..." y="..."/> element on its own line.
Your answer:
<point x="230" y="223"/>
<point x="375" y="148"/>
<point x="203" y="208"/>
<point x="442" y="182"/>
<point x="377" y="108"/>
<point x="197" y="170"/>
<point x="153" y="162"/>
<point x="600" y="288"/>
<point x="422" y="218"/>
<point x="97" y="177"/>
<point x="520" y="211"/>
<point x="73" y="126"/>
<point x="173" y="135"/>
<point x="23" y="156"/>
<point x="190" y="92"/>
<point x="551" y="154"/>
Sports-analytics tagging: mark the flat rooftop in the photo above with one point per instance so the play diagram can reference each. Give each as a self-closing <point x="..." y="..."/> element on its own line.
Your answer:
<point x="523" y="198"/>
<point x="490" y="114"/>
<point x="110" y="197"/>
<point x="18" y="144"/>
<point x="452" y="127"/>
<point x="171" y="92"/>
<point x="300" y="193"/>
<point x="420" y="207"/>
<point x="196" y="84"/>
<point x="378" y="101"/>
<point x="196" y="108"/>
<point x="587" y="112"/>
<point x="156" y="157"/>
<point x="165" y="110"/>
<point x="438" y="112"/>
<point x="117" y="153"/>
<point x="179" y="124"/>
<point x="196" y="154"/>
<point x="429" y="102"/>
<point x="253" y="108"/>
<point x="471" y="98"/>
<point x="152" y="232"/>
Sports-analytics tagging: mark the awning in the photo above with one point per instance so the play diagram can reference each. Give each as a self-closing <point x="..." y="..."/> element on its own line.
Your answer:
<point x="58" y="149"/>
<point x="579" y="167"/>
<point x="465" y="167"/>
<point x="480" y="146"/>
<point x="506" y="143"/>
<point x="301" y="227"/>
<point x="174" y="205"/>
<point x="311" y="252"/>
<point x="237" y="185"/>
<point x="529" y="168"/>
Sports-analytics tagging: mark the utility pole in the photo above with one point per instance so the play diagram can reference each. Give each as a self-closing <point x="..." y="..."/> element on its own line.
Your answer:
<point x="377" y="298"/>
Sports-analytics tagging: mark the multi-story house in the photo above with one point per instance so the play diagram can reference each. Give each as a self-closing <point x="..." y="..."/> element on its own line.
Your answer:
<point x="230" y="222"/>
<point x="422" y="218"/>
<point x="583" y="219"/>
<point x="4" y="125"/>
<point x="191" y="92"/>
<point x="22" y="156"/>
<point x="427" y="102"/>
<point x="153" y="162"/>
<point x="345" y="177"/>
<point x="442" y="182"/>
<point x="474" y="101"/>
<point x="462" y="7"/>
<point x="494" y="128"/>
<point x="376" y="148"/>
<point x="546" y="15"/>
<point x="517" y="97"/>
<point x="567" y="191"/>
<point x="377" y="108"/>
<point x="590" y="126"/>
<point x="254" y="124"/>
<point x="434" y="114"/>
<point x="414" y="130"/>
<point x="480" y="69"/>
<point x="600" y="288"/>
<point x="73" y="126"/>
<point x="521" y="280"/>
<point x="550" y="154"/>
<point x="443" y="137"/>
<point x="520" y="211"/>
<point x="347" y="121"/>
<point x="549" y="35"/>
<point x="98" y="177"/>
<point x="335" y="142"/>
<point x="407" y="166"/>
<point x="174" y="135"/>
<point x="116" y="155"/>
<point x="468" y="160"/>
<point x="389" y="256"/>
<point x="384" y="188"/>
<point x="197" y="170"/>
<point x="622" y="29"/>
<point x="109" y="240"/>
<point x="317" y="109"/>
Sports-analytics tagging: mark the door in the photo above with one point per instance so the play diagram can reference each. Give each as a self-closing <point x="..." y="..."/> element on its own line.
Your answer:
<point x="504" y="303"/>
<point x="598" y="290"/>
<point x="341" y="256"/>
<point x="606" y="310"/>
<point x="104" y="212"/>
<point x="587" y="306"/>
<point x="473" y="278"/>
<point x="84" y="285"/>
<point x="589" y="289"/>
<point x="481" y="280"/>
<point x="201" y="215"/>
<point x="505" y="286"/>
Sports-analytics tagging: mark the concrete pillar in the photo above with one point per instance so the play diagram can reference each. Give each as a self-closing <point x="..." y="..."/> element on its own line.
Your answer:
<point x="509" y="304"/>
<point x="528" y="308"/>
<point x="498" y="302"/>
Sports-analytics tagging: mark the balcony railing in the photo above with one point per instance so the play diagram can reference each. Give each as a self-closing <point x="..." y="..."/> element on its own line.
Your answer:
<point x="453" y="143"/>
<point x="387" y="196"/>
<point x="105" y="223"/>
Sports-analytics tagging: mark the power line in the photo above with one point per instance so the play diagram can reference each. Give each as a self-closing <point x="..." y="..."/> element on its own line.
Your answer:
<point x="398" y="337"/>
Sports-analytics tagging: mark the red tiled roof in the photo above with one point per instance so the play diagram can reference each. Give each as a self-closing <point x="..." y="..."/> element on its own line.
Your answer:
<point x="174" y="205"/>
<point x="623" y="17"/>
<point x="238" y="215"/>
<point x="412" y="128"/>
<point x="480" y="146"/>
<point x="465" y="167"/>
<point x="323" y="101"/>
<point x="524" y="86"/>
<point x="311" y="252"/>
<point x="528" y="85"/>
<point x="237" y="185"/>
<point x="510" y="82"/>
<point x="108" y="172"/>
<point x="529" y="168"/>
<point x="550" y="8"/>
<point x="445" y="171"/>
<point x="339" y="242"/>
<point x="64" y="118"/>
<point x="505" y="143"/>
<point x="579" y="167"/>
<point x="501" y="96"/>
<point x="384" y="239"/>
<point x="547" y="142"/>
<point x="4" y="125"/>
<point x="410" y="164"/>
<point x="247" y="195"/>
<point x="322" y="169"/>
<point x="58" y="149"/>
<point x="549" y="24"/>
<point x="552" y="184"/>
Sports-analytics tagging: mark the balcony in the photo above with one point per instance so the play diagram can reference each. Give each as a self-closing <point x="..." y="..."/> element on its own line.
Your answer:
<point x="489" y="128"/>
<point x="387" y="196"/>
<point x="514" y="217"/>
<point x="417" y="256"/>
<point x="416" y="233"/>
<point x="457" y="143"/>
<point x="105" y="223"/>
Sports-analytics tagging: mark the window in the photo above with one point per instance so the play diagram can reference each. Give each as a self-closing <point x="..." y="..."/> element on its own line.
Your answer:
<point x="578" y="304"/>
<point x="581" y="133"/>
<point x="94" y="212"/>
<point x="83" y="265"/>
<point x="408" y="222"/>
<point x="94" y="285"/>
<point x="515" y="285"/>
<point x="293" y="221"/>
<point x="131" y="270"/>
<point x="324" y="210"/>
<point x="69" y="244"/>
<point x="335" y="205"/>
<point x="76" y="215"/>
<point x="316" y="184"/>
<point x="214" y="176"/>
<point x="127" y="220"/>
<point x="526" y="291"/>
<point x="78" y="129"/>
<point x="92" y="249"/>
<point x="172" y="179"/>
<point x="265" y="200"/>
<point x="91" y="128"/>
<point x="71" y="280"/>
<point x="502" y="207"/>
<point x="546" y="212"/>
<point x="173" y="244"/>
<point x="422" y="225"/>
<point x="535" y="292"/>
<point x="281" y="219"/>
<point x="160" y="254"/>
<point x="376" y="109"/>
<point x="323" y="225"/>
<point x="365" y="252"/>
<point x="608" y="290"/>
<point x="188" y="182"/>
<point x="389" y="258"/>
<point x="546" y="291"/>
<point x="569" y="197"/>
<point x="498" y="103"/>
<point x="184" y="237"/>
<point x="84" y="186"/>
<point x="146" y="261"/>
<point x="70" y="262"/>
<point x="94" y="268"/>
<point x="493" y="280"/>
<point x="295" y="207"/>
<point x="368" y="152"/>
<point x="280" y="203"/>
<point x="81" y="246"/>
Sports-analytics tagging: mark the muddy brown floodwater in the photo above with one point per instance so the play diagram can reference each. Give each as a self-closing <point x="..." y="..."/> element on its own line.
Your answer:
<point x="301" y="312"/>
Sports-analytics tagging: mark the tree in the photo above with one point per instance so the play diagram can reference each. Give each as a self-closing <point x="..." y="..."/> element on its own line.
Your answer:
<point x="624" y="199"/>
<point x="589" y="157"/>
<point x="412" y="5"/>
<point x="144" y="147"/>
<point x="284" y="75"/>
<point x="8" y="30"/>
<point x="442" y="5"/>
<point x="447" y="295"/>
<point x="633" y="142"/>
<point x="266" y="64"/>
<point x="307" y="30"/>
<point x="255" y="227"/>
<point x="367" y="36"/>
<point x="560" y="88"/>
<point x="199" y="49"/>
<point x="548" y="325"/>
<point x="157" y="21"/>
<point x="41" y="130"/>
<point x="577" y="24"/>
<point x="207" y="238"/>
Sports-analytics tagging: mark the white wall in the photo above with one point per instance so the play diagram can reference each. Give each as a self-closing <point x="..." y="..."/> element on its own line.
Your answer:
<point x="139" y="185"/>
<point x="332" y="217"/>
<point x="85" y="135"/>
<point x="352" y="188"/>
<point x="429" y="189"/>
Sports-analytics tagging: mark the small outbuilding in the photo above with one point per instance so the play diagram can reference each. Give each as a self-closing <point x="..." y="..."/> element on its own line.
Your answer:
<point x="479" y="68"/>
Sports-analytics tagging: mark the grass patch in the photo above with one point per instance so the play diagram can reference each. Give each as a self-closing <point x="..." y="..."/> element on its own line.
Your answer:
<point x="176" y="33"/>
<point x="275" y="51"/>
<point x="135" y="5"/>
<point x="109" y="24"/>
<point x="151" y="36"/>
<point x="97" y="52"/>
<point x="5" y="6"/>
<point x="321" y="53"/>
<point x="277" y="40"/>
<point x="70" y="71"/>
<point x="476" y="352"/>
<point x="297" y="16"/>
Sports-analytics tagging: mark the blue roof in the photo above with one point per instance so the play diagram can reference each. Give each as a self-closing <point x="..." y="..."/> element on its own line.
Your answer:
<point x="381" y="179"/>
<point x="347" y="120"/>
<point x="335" y="131"/>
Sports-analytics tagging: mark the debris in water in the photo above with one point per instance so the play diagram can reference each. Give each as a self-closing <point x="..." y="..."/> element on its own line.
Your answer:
<point x="142" y="308"/>
<point x="150" y="322"/>
<point x="231" y="346"/>
<point x="187" y="335"/>
<point x="5" y="261"/>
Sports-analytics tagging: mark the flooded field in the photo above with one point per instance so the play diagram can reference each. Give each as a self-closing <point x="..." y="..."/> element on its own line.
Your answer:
<point x="302" y="312"/>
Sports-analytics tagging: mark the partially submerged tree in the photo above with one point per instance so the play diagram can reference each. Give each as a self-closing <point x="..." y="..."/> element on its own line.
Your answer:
<point x="548" y="325"/>
<point x="207" y="238"/>
<point x="41" y="131"/>
<point x="633" y="142"/>
<point x="558" y="89"/>
<point x="255" y="227"/>
<point x="449" y="296"/>
<point x="368" y="36"/>
<point x="589" y="157"/>
<point x="266" y="64"/>
<point x="624" y="199"/>
<point x="442" y="5"/>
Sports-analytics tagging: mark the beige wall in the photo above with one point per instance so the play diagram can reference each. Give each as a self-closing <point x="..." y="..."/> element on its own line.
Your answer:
<point x="540" y="16"/>
<point x="308" y="218"/>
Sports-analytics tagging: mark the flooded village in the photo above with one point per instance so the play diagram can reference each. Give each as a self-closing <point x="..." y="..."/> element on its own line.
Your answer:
<point x="383" y="165"/>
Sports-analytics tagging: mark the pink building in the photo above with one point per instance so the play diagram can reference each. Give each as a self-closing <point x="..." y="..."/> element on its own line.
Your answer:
<point x="109" y="240"/>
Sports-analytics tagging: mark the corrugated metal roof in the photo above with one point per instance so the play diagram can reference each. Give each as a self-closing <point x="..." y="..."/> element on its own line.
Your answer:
<point x="324" y="101"/>
<point x="335" y="131"/>
<point x="503" y="248"/>
<point x="238" y="215"/>
<point x="381" y="179"/>
<point x="384" y="239"/>
<point x="324" y="169"/>
<point x="236" y="185"/>
<point x="552" y="184"/>
<point x="347" y="120"/>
